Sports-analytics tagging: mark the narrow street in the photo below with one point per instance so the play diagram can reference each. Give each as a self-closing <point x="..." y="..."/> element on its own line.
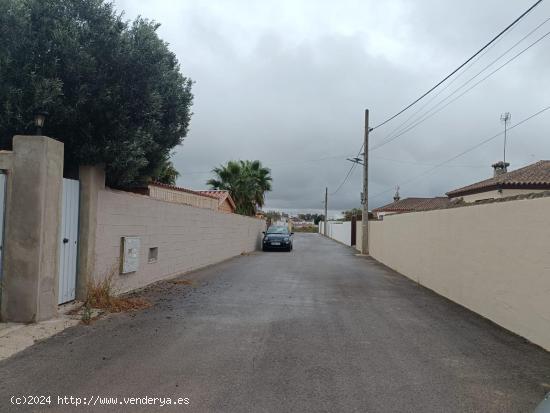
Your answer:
<point x="317" y="329"/>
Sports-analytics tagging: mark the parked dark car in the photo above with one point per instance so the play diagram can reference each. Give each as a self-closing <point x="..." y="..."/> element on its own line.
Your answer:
<point x="277" y="238"/>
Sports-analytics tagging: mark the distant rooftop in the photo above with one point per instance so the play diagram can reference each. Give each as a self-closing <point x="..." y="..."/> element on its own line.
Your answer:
<point x="414" y="204"/>
<point x="534" y="176"/>
<point x="220" y="194"/>
<point x="178" y="188"/>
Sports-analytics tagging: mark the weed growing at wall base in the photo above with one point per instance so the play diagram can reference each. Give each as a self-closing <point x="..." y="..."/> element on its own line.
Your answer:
<point x="101" y="295"/>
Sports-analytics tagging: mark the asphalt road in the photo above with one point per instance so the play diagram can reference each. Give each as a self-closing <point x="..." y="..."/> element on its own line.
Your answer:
<point x="315" y="330"/>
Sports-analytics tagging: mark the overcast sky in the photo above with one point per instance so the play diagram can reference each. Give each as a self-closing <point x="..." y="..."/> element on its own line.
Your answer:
<point x="287" y="82"/>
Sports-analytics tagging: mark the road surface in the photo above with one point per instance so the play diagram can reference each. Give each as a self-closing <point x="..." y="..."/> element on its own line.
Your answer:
<point x="315" y="330"/>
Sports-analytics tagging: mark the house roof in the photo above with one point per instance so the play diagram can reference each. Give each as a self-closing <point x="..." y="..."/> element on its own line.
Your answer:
<point x="414" y="204"/>
<point x="534" y="176"/>
<point x="177" y="188"/>
<point x="221" y="195"/>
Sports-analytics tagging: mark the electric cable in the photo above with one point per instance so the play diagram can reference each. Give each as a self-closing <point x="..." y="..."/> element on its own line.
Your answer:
<point x="459" y="67"/>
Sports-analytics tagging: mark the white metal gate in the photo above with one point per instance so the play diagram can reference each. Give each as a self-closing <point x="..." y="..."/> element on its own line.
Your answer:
<point x="2" y="208"/>
<point x="69" y="241"/>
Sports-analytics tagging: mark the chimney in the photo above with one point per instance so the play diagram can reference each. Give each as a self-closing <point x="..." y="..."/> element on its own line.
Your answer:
<point x="500" y="168"/>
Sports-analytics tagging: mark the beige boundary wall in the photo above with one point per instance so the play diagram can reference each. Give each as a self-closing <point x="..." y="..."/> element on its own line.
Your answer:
<point x="493" y="259"/>
<point x="187" y="237"/>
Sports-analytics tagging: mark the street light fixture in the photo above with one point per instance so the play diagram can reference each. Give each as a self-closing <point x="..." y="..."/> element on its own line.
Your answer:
<point x="356" y="160"/>
<point x="39" y="119"/>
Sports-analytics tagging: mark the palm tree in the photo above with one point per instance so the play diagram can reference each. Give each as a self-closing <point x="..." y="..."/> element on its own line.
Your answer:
<point x="246" y="181"/>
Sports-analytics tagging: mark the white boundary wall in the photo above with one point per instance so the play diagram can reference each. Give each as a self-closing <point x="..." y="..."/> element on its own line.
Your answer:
<point x="493" y="259"/>
<point x="338" y="230"/>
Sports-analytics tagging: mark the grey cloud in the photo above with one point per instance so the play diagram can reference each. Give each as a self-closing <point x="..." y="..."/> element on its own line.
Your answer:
<point x="290" y="101"/>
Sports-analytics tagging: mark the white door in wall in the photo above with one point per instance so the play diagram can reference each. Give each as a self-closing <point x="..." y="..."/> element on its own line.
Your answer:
<point x="69" y="241"/>
<point x="2" y="209"/>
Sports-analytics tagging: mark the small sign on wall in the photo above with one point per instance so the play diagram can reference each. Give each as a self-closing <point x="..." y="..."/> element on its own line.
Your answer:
<point x="130" y="254"/>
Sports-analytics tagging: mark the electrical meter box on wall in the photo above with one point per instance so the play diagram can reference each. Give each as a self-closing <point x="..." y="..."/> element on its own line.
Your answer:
<point x="130" y="254"/>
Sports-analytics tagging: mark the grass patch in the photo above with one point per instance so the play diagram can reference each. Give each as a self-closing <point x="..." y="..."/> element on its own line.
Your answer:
<point x="101" y="297"/>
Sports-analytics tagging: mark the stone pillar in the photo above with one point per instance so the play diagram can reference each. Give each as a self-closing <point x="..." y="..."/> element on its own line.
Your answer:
<point x="33" y="221"/>
<point x="92" y="180"/>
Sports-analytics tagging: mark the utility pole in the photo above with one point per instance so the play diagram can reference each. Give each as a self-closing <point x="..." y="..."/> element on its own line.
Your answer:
<point x="365" y="219"/>
<point x="325" y="229"/>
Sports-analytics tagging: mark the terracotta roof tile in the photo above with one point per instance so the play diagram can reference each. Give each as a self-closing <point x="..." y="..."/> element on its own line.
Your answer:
<point x="414" y="204"/>
<point x="177" y="188"/>
<point x="534" y="176"/>
<point x="221" y="195"/>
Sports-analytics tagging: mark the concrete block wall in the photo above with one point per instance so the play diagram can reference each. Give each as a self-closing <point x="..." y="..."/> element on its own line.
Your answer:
<point x="187" y="237"/>
<point x="493" y="259"/>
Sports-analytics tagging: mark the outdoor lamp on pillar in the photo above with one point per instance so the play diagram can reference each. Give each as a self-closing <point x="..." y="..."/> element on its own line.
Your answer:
<point x="39" y="119"/>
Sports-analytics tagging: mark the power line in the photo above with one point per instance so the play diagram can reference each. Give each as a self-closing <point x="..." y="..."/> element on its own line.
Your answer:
<point x="268" y="164"/>
<point x="349" y="172"/>
<point x="296" y="161"/>
<point x="448" y="85"/>
<point x="345" y="179"/>
<point x="478" y="53"/>
<point x="437" y="108"/>
<point x="401" y="161"/>
<point x="459" y="67"/>
<point x="408" y="162"/>
<point x="398" y="128"/>
<point x="470" y="149"/>
<point x="428" y="115"/>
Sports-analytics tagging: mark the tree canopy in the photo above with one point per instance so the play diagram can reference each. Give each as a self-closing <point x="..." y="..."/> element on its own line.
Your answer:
<point x="246" y="181"/>
<point x="312" y="217"/>
<point x="113" y="89"/>
<point x="357" y="212"/>
<point x="168" y="174"/>
<point x="273" y="216"/>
